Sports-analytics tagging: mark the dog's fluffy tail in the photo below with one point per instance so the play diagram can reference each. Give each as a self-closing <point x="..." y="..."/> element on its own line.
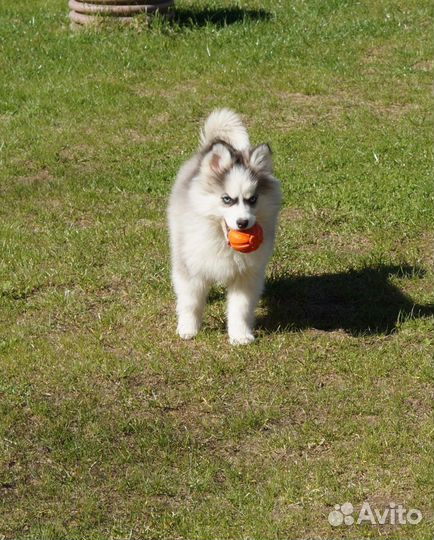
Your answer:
<point x="225" y="125"/>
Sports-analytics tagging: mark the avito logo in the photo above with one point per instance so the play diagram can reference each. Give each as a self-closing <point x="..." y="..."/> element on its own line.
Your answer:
<point x="393" y="514"/>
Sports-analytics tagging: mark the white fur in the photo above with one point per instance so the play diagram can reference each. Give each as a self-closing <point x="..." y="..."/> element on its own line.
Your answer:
<point x="225" y="125"/>
<point x="200" y="253"/>
<point x="239" y="185"/>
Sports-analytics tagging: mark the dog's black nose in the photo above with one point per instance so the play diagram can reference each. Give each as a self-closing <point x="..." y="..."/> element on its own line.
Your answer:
<point x="242" y="223"/>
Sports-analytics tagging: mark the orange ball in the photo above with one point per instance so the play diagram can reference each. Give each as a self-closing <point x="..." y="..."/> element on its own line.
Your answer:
<point x="246" y="241"/>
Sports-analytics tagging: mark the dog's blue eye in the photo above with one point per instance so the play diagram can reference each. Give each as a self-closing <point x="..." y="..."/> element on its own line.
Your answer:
<point x="226" y="199"/>
<point x="252" y="199"/>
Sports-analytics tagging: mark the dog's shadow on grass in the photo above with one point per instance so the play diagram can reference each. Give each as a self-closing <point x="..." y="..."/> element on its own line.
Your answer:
<point x="359" y="302"/>
<point x="219" y="17"/>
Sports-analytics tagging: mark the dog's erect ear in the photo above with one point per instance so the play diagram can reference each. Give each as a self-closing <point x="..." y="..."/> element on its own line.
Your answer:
<point x="261" y="159"/>
<point x="219" y="158"/>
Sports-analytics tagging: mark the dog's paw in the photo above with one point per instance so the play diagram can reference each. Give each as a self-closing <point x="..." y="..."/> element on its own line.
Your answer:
<point x="187" y="335"/>
<point x="187" y="329"/>
<point x="242" y="339"/>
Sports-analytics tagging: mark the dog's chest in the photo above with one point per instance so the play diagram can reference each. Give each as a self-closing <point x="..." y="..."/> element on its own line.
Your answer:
<point x="206" y="252"/>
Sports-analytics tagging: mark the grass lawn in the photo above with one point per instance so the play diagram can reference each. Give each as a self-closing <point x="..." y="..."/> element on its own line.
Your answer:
<point x="110" y="426"/>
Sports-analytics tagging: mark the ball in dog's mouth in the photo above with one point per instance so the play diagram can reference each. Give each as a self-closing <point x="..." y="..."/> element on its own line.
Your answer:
<point x="247" y="240"/>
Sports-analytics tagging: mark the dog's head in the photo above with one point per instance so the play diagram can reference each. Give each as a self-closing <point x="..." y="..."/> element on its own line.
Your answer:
<point x="238" y="182"/>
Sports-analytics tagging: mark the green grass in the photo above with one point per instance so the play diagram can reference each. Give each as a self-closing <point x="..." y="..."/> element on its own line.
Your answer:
<point x="110" y="426"/>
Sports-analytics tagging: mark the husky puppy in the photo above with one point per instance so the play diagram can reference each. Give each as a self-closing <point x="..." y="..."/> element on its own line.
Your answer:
<point x="227" y="185"/>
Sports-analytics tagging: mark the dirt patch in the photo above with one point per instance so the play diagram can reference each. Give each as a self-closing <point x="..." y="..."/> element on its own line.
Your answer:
<point x="427" y="245"/>
<point x="7" y="117"/>
<point x="41" y="176"/>
<point x="424" y="65"/>
<point x="331" y="380"/>
<point x="132" y="135"/>
<point x="302" y="99"/>
<point x="159" y="119"/>
<point x="421" y="407"/>
<point x="291" y="214"/>
<point x="78" y="153"/>
<point x="349" y="243"/>
<point x="376" y="54"/>
<point x="306" y="108"/>
<point x="149" y="223"/>
<point x="84" y="222"/>
<point x="143" y="90"/>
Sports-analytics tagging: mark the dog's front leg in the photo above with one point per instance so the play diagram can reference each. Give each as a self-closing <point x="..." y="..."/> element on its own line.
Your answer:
<point x="191" y="296"/>
<point x="243" y="295"/>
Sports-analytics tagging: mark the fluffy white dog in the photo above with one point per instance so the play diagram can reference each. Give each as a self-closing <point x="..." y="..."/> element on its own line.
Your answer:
<point x="227" y="185"/>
